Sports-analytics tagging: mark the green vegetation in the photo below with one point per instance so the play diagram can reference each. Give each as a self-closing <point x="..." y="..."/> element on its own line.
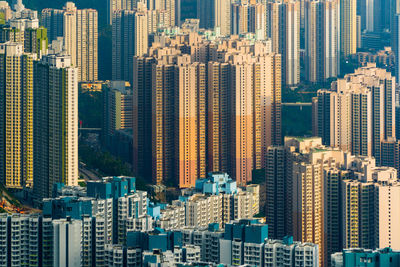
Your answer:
<point x="107" y="164"/>
<point x="2" y="20"/>
<point x="103" y="161"/>
<point x="296" y="121"/>
<point x="90" y="109"/>
<point x="82" y="183"/>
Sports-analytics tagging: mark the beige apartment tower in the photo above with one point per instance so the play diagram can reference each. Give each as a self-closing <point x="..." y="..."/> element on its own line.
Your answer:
<point x="357" y="114"/>
<point x="321" y="40"/>
<point x="284" y="23"/>
<point x="190" y="122"/>
<point x="223" y="16"/>
<point x="218" y="117"/>
<point x="308" y="160"/>
<point x="162" y="129"/>
<point x="80" y="31"/>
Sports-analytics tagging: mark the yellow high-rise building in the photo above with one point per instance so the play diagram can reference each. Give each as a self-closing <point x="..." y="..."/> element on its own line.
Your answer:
<point x="16" y="121"/>
<point x="348" y="27"/>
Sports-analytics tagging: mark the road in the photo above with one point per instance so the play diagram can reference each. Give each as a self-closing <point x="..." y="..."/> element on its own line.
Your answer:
<point x="88" y="175"/>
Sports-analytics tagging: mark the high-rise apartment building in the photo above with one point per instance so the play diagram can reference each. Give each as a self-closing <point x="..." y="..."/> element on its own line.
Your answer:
<point x="247" y="18"/>
<point x="395" y="43"/>
<point x="277" y="192"/>
<point x="356" y="257"/>
<point x="79" y="29"/>
<point x="170" y="7"/>
<point x="67" y="242"/>
<point x="321" y="40"/>
<point x="284" y="30"/>
<point x="206" y="13"/>
<point x="390" y="153"/>
<point x="53" y="21"/>
<point x="223" y="16"/>
<point x="142" y="115"/>
<point x="358" y="113"/>
<point x="242" y="125"/>
<point x="55" y="124"/>
<point x="16" y="121"/>
<point x="162" y="129"/>
<point x="280" y="253"/>
<point x="190" y="121"/>
<point x="235" y="110"/>
<point x="255" y="108"/>
<point x="114" y="5"/>
<point x="6" y="11"/>
<point x="218" y="150"/>
<point x="36" y="41"/>
<point x="348" y="27"/>
<point x="117" y="108"/>
<point x="370" y="212"/>
<point x="308" y="162"/>
<point x="130" y="38"/>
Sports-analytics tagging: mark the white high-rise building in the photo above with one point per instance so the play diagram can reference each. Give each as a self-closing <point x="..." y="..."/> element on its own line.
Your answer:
<point x="67" y="240"/>
<point x="288" y="253"/>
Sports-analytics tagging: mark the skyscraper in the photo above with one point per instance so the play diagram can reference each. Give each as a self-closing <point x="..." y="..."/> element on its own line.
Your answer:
<point x="247" y="18"/>
<point x="309" y="159"/>
<point x="206" y="13"/>
<point x="114" y="5"/>
<point x="218" y="102"/>
<point x="163" y="110"/>
<point x="171" y="7"/>
<point x="277" y="192"/>
<point x="79" y="29"/>
<point x="16" y="121"/>
<point x="284" y="30"/>
<point x="348" y="27"/>
<point x="370" y="208"/>
<point x="321" y="40"/>
<point x="55" y="124"/>
<point x="223" y="16"/>
<point x="53" y="21"/>
<point x="360" y="110"/>
<point x="130" y="38"/>
<point x="190" y="122"/>
<point x="232" y="107"/>
<point x="142" y="115"/>
<point x="242" y="124"/>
